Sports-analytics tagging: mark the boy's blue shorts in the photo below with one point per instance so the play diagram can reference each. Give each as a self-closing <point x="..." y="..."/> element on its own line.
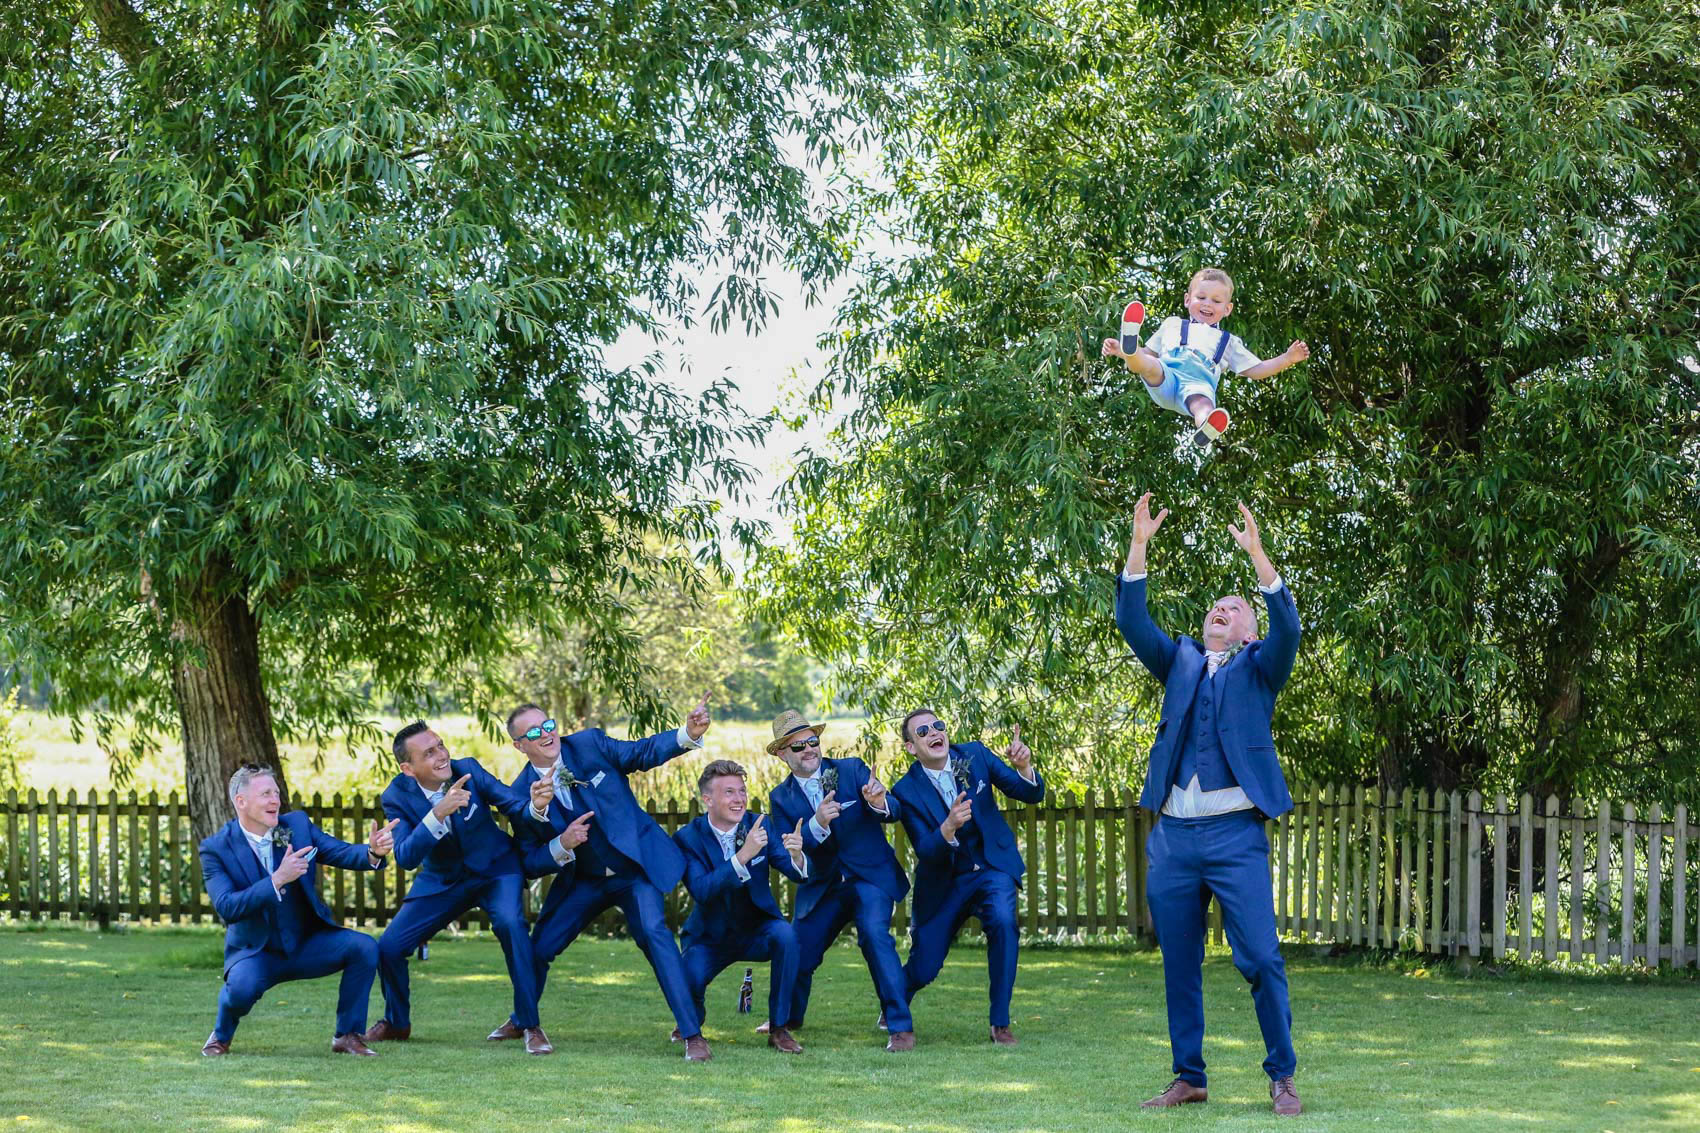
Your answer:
<point x="1185" y="372"/>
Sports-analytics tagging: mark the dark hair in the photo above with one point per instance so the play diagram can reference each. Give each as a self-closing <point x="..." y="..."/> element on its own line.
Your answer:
<point x="522" y="708"/>
<point x="903" y="728"/>
<point x="716" y="770"/>
<point x="399" y="746"/>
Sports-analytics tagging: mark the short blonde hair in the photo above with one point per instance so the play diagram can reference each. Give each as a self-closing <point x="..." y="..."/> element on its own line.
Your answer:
<point x="1212" y="275"/>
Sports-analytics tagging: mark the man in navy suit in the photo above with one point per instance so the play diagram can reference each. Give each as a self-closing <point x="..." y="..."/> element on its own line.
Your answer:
<point x="603" y="849"/>
<point x="261" y="871"/>
<point x="966" y="862"/>
<point x="442" y="809"/>
<point x="853" y="873"/>
<point x="1213" y="780"/>
<point x="727" y="854"/>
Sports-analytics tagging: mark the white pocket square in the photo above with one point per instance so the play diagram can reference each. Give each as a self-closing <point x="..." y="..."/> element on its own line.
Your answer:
<point x="758" y="859"/>
<point x="848" y="805"/>
<point x="981" y="787"/>
<point x="596" y="779"/>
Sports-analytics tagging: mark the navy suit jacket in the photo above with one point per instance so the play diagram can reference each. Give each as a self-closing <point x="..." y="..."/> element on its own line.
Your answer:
<point x="474" y="847"/>
<point x="602" y="763"/>
<point x="857" y="845"/>
<point x="726" y="907"/>
<point x="924" y="811"/>
<point x="242" y="893"/>
<point x="1245" y="691"/>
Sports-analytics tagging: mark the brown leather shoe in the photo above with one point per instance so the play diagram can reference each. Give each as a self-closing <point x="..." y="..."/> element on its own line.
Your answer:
<point x="696" y="1049"/>
<point x="1178" y="1092"/>
<point x="505" y="1032"/>
<point x="536" y="1042"/>
<point x="1003" y="1037"/>
<point x="675" y="1037"/>
<point x="212" y="1048"/>
<point x="1285" y="1097"/>
<point x="900" y="1041"/>
<point x="352" y="1044"/>
<point x="384" y="1031"/>
<point x="780" y="1039"/>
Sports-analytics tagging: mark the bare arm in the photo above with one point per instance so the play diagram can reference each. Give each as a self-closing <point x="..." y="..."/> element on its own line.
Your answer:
<point x="1269" y="367"/>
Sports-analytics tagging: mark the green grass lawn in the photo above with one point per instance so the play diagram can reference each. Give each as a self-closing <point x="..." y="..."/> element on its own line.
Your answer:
<point x="103" y="1032"/>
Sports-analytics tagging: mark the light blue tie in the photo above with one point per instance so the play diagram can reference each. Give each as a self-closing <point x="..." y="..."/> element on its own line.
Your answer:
<point x="811" y="788"/>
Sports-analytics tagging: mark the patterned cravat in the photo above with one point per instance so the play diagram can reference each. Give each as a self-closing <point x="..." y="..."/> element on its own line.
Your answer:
<point x="1216" y="660"/>
<point x="811" y="788"/>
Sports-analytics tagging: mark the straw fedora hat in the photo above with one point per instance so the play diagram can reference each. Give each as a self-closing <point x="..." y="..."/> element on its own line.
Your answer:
<point x="787" y="724"/>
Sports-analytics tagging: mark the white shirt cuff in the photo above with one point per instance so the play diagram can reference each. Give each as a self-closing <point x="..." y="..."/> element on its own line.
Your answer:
<point x="1272" y="587"/>
<point x="884" y="810"/>
<point x="1129" y="576"/>
<point x="684" y="737"/>
<point x="435" y="825"/>
<point x="539" y="816"/>
<point x="739" y="868"/>
<point x="952" y="842"/>
<point x="1029" y="776"/>
<point x="277" y="890"/>
<point x="821" y="833"/>
<point x="804" y="868"/>
<point x="560" y="853"/>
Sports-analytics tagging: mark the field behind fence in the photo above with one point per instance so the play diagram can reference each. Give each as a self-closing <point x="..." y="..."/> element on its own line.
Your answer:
<point x="1424" y="872"/>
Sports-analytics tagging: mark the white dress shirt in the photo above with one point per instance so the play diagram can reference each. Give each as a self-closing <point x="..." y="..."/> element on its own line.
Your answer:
<point x="261" y="844"/>
<point x="1189" y="800"/>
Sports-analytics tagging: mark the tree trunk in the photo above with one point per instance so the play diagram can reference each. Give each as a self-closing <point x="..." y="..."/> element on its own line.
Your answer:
<point x="221" y="701"/>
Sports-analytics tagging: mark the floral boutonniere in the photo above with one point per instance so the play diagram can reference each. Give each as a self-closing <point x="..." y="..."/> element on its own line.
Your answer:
<point x="565" y="780"/>
<point x="960" y="770"/>
<point x="828" y="782"/>
<point x="280" y="836"/>
<point x="1233" y="649"/>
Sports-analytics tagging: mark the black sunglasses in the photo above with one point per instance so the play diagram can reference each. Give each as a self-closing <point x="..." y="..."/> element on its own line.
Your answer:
<point x="813" y="741"/>
<point x="537" y="732"/>
<point x="923" y="729"/>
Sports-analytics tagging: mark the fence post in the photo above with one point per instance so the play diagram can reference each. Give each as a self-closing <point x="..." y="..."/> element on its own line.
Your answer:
<point x="1602" y="883"/>
<point x="1030" y="823"/>
<point x="14" y="866"/>
<point x="35" y="857"/>
<point x="1655" y="883"/>
<point x="1626" y="907"/>
<point x="1052" y="876"/>
<point x="1501" y="851"/>
<point x="153" y="856"/>
<point x="1549" y="919"/>
<point x="1578" y="823"/>
<point x="71" y="832"/>
<point x="1111" y="888"/>
<point x="53" y="906"/>
<point x="1679" y="894"/>
<point x="1089" y="819"/>
<point x="1525" y="874"/>
<point x="1473" y="875"/>
<point x="1132" y="860"/>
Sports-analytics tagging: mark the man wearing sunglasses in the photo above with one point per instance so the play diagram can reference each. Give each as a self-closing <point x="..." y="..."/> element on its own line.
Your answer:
<point x="853" y="873"/>
<point x="966" y="861"/>
<point x="604" y="849"/>
<point x="1212" y="779"/>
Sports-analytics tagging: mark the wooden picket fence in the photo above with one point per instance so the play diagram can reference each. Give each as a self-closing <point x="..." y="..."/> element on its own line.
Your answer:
<point x="1425" y="872"/>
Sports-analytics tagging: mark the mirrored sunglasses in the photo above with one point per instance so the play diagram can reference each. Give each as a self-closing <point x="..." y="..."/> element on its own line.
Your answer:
<point x="812" y="741"/>
<point x="923" y="729"/>
<point x="537" y="732"/>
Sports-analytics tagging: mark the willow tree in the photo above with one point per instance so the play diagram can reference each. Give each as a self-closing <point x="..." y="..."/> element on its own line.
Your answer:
<point x="303" y="397"/>
<point x="1483" y="484"/>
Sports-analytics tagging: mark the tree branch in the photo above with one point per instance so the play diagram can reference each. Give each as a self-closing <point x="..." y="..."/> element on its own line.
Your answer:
<point x="123" y="30"/>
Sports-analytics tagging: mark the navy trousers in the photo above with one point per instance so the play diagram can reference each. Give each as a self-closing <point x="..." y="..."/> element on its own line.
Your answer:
<point x="773" y="939"/>
<point x="329" y="950"/>
<point x="990" y="895"/>
<point x="646" y="920"/>
<point x="870" y="908"/>
<point x="1227" y="856"/>
<point x="420" y="919"/>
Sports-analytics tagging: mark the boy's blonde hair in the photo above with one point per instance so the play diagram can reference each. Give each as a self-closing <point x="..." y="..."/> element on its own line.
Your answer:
<point x="1212" y="275"/>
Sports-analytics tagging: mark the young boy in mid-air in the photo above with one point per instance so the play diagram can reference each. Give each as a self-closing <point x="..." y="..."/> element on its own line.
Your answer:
<point x="1183" y="362"/>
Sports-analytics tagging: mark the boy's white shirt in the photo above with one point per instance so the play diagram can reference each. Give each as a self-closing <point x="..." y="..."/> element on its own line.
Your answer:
<point x="1203" y="338"/>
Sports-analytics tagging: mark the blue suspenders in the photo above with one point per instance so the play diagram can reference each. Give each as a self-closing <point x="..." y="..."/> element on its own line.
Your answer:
<point x="1221" y="343"/>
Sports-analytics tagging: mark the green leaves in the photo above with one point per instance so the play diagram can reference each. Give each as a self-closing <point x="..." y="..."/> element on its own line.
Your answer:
<point x="314" y="305"/>
<point x="1479" y="218"/>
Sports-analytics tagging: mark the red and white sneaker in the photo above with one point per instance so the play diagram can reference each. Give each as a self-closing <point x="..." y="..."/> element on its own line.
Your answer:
<point x="1133" y="316"/>
<point x="1215" y="424"/>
